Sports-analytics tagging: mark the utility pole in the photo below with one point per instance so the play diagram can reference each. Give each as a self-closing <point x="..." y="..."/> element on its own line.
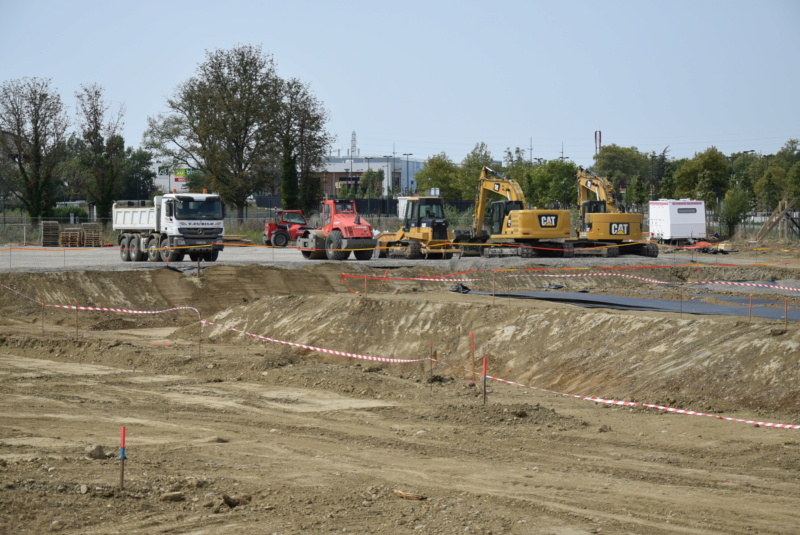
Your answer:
<point x="531" y="150"/>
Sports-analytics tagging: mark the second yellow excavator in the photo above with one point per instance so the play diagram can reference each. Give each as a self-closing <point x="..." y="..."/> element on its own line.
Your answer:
<point x="604" y="227"/>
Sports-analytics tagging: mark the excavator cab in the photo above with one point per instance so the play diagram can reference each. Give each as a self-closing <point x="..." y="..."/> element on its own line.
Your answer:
<point x="498" y="211"/>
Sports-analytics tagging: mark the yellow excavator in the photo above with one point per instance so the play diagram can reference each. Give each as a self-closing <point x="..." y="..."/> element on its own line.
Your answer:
<point x="514" y="230"/>
<point x="606" y="229"/>
<point x="424" y="234"/>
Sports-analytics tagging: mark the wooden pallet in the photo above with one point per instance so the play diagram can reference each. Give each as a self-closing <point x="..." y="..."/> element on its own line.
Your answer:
<point x="50" y="233"/>
<point x="91" y="235"/>
<point x="71" y="237"/>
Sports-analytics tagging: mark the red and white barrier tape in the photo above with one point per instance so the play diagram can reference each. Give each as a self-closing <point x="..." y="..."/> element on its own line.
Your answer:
<point x="313" y="348"/>
<point x="625" y="403"/>
<point x="575" y="275"/>
<point x="123" y="310"/>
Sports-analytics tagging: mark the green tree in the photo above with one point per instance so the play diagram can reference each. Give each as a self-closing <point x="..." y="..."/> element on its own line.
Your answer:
<point x="771" y="188"/>
<point x="440" y="172"/>
<point x="290" y="187"/>
<point x="138" y="180"/>
<point x="197" y="181"/>
<point x="302" y="137"/>
<point x="620" y="164"/>
<point x="518" y="168"/>
<point x="788" y="156"/>
<point x="471" y="166"/>
<point x="793" y="181"/>
<point x="102" y="152"/>
<point x="706" y="177"/>
<point x="370" y="184"/>
<point x="223" y="121"/>
<point x="667" y="186"/>
<point x="734" y="210"/>
<point x="637" y="193"/>
<point x="33" y="125"/>
<point x="73" y="176"/>
<point x="659" y="170"/>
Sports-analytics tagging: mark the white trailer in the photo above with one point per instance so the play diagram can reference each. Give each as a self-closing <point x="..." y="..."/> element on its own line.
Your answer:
<point x="176" y="225"/>
<point x="677" y="220"/>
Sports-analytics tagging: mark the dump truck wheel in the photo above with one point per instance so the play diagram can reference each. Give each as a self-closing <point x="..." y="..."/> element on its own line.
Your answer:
<point x="135" y="245"/>
<point x="333" y="246"/>
<point x="153" y="254"/>
<point x="124" y="252"/>
<point x="168" y="255"/>
<point x="280" y="239"/>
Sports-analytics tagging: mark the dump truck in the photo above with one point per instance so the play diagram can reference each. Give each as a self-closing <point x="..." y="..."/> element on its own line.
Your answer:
<point x="173" y="226"/>
<point x="605" y="227"/>
<point x="343" y="231"/>
<point x="286" y="226"/>
<point x="425" y="232"/>
<point x="514" y="229"/>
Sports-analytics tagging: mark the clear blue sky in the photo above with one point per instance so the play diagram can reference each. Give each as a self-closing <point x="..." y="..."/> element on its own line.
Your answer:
<point x="426" y="77"/>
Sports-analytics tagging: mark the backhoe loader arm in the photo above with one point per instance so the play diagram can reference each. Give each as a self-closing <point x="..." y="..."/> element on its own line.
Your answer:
<point x="494" y="182"/>
<point x="602" y="189"/>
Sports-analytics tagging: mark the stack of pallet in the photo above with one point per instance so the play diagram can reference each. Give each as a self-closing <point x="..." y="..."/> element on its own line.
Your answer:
<point x="91" y="235"/>
<point x="49" y="233"/>
<point x="71" y="237"/>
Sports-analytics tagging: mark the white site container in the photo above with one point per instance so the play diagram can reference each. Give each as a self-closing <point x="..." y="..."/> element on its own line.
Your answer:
<point x="677" y="220"/>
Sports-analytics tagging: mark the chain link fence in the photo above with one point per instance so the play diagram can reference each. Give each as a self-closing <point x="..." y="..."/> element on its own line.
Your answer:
<point x="20" y="229"/>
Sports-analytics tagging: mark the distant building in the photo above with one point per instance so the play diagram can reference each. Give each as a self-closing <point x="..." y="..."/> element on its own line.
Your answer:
<point x="344" y="171"/>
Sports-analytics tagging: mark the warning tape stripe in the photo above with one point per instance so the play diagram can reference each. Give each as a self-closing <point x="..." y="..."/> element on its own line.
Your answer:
<point x="123" y="310"/>
<point x="623" y="403"/>
<point x="575" y="275"/>
<point x="313" y="348"/>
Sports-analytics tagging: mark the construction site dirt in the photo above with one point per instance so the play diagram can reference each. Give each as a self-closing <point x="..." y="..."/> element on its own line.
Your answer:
<point x="290" y="396"/>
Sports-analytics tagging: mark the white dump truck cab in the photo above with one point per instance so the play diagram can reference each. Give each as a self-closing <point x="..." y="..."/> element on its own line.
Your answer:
<point x="176" y="225"/>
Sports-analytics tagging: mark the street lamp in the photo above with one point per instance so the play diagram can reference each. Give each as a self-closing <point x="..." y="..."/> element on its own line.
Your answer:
<point x="408" y="178"/>
<point x="564" y="179"/>
<point x="388" y="176"/>
<point x="369" y="173"/>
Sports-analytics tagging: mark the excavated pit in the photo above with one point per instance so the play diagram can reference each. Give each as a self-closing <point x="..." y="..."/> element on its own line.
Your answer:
<point x="707" y="362"/>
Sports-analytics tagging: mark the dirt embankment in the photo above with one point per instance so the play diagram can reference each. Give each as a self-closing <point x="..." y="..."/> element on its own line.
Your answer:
<point x="228" y="434"/>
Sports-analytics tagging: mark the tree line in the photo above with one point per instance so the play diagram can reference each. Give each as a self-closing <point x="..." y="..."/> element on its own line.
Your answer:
<point x="237" y="122"/>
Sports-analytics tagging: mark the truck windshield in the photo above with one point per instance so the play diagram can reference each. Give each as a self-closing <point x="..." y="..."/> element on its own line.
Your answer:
<point x="207" y="209"/>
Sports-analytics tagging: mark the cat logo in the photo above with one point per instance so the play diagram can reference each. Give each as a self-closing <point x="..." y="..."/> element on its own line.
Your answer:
<point x="548" y="221"/>
<point x="620" y="229"/>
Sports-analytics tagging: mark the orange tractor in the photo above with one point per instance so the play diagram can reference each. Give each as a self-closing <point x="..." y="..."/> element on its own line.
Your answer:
<point x="342" y="232"/>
